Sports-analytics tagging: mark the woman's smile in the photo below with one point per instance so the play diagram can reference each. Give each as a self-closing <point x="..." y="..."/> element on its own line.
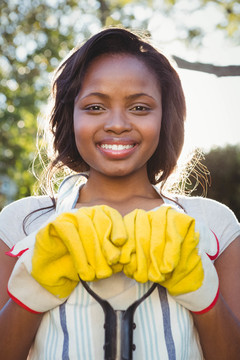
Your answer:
<point x="117" y="150"/>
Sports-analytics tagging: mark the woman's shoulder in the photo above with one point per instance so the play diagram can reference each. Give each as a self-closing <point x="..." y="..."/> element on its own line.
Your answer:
<point x="29" y="202"/>
<point x="218" y="217"/>
<point x="22" y="207"/>
<point x="34" y="208"/>
<point x="206" y="206"/>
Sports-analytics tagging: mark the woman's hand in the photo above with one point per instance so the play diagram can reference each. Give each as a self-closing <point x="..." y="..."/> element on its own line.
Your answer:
<point x="163" y="246"/>
<point x="80" y="244"/>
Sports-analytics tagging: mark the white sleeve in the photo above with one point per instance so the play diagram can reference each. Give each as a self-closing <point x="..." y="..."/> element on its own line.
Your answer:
<point x="217" y="216"/>
<point x="13" y="215"/>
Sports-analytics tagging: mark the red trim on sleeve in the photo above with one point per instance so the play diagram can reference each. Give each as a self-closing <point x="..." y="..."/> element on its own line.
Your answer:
<point x="210" y="306"/>
<point x="21" y="304"/>
<point x="9" y="253"/>
<point x="213" y="257"/>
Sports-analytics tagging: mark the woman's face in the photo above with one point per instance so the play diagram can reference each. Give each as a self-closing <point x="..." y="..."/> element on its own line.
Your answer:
<point x="117" y="115"/>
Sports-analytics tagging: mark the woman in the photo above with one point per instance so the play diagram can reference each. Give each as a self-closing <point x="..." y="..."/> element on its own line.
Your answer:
<point x="119" y="116"/>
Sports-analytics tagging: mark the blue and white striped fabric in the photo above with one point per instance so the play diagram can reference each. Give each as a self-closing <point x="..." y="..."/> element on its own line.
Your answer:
<point x="164" y="329"/>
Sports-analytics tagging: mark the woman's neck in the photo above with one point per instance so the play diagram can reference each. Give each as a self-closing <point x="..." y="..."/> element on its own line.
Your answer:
<point x="123" y="194"/>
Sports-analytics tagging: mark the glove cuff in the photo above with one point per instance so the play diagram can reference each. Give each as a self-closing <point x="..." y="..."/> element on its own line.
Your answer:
<point x="26" y="291"/>
<point x="204" y="298"/>
<point x="210" y="306"/>
<point x="17" y="301"/>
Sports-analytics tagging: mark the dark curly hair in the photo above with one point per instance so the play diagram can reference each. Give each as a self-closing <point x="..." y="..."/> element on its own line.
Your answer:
<point x="67" y="84"/>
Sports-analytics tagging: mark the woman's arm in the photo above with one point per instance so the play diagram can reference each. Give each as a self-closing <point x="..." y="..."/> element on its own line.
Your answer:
<point x="219" y="329"/>
<point x="18" y="327"/>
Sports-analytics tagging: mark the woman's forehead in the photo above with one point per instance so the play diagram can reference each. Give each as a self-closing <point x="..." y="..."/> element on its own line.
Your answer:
<point x="116" y="71"/>
<point x="119" y="64"/>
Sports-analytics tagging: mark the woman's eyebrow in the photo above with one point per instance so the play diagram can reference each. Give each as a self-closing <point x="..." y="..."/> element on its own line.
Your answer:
<point x="137" y="95"/>
<point x="105" y="96"/>
<point x="98" y="94"/>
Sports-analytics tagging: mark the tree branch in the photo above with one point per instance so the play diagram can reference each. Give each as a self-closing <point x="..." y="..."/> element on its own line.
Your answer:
<point x="104" y="11"/>
<point x="230" y="70"/>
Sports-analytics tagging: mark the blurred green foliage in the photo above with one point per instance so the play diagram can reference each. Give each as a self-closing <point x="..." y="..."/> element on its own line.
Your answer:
<point x="223" y="165"/>
<point x="227" y="17"/>
<point x="35" y="35"/>
<point x="30" y="49"/>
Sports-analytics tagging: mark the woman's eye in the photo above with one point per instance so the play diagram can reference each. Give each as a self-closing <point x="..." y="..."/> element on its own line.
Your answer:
<point x="140" y="108"/>
<point x="94" y="108"/>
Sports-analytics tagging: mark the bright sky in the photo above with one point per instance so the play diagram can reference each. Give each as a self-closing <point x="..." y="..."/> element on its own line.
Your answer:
<point x="213" y="116"/>
<point x="213" y="104"/>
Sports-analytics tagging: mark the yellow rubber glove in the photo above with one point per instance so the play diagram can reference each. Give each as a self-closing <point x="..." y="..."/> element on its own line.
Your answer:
<point x="135" y="253"/>
<point x="71" y="245"/>
<point x="79" y="243"/>
<point x="111" y="233"/>
<point x="110" y="230"/>
<point x="152" y="250"/>
<point x="174" y="244"/>
<point x="167" y="251"/>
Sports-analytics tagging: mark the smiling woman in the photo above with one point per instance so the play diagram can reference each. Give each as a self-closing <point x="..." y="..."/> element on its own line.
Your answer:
<point x="151" y="63"/>
<point x="118" y="115"/>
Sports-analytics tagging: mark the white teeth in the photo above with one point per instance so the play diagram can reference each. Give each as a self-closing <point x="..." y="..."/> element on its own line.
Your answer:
<point x="116" y="147"/>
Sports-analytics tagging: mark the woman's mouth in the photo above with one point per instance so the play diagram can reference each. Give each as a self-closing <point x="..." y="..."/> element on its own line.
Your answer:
<point x="116" y="151"/>
<point x="116" y="147"/>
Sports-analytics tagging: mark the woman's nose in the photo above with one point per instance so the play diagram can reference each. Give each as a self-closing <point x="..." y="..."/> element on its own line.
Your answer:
<point x="117" y="122"/>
